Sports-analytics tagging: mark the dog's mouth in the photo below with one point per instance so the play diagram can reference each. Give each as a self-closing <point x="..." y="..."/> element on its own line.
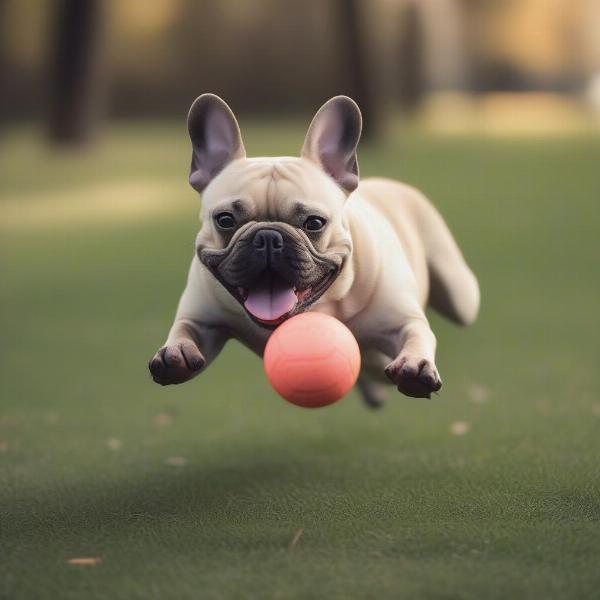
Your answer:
<point x="271" y="299"/>
<point x="273" y="280"/>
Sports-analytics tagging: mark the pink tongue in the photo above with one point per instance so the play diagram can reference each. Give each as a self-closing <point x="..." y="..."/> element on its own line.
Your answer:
<point x="270" y="298"/>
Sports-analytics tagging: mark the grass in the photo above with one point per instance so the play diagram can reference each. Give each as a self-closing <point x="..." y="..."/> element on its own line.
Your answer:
<point x="198" y="490"/>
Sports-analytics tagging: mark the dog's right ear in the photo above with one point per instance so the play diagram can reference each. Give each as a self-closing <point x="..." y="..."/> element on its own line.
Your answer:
<point x="216" y="139"/>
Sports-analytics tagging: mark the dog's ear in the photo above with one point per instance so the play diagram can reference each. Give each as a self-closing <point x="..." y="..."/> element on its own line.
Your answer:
<point x="332" y="139"/>
<point x="216" y="139"/>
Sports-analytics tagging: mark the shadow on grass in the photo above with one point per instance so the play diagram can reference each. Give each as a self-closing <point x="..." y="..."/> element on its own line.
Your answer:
<point x="259" y="486"/>
<point x="271" y="490"/>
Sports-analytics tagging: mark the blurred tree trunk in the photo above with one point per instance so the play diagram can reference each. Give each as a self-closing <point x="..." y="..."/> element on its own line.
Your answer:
<point x="357" y="77"/>
<point x="76" y="75"/>
<point x="410" y="58"/>
<point x="3" y="69"/>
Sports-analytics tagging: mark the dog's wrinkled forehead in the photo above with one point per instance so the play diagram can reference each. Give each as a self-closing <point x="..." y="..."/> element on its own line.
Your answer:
<point x="273" y="189"/>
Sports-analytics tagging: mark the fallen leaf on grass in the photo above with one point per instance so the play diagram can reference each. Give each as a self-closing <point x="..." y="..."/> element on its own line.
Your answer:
<point x="296" y="538"/>
<point x="479" y="394"/>
<point x="596" y="410"/>
<point x="3" y="446"/>
<point x="85" y="561"/>
<point x="162" y="419"/>
<point x="460" y="427"/>
<point x="176" y="461"/>
<point x="113" y="444"/>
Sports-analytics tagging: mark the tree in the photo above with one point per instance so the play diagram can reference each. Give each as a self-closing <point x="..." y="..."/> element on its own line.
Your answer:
<point x="358" y="76"/>
<point x="76" y="71"/>
<point x="410" y="57"/>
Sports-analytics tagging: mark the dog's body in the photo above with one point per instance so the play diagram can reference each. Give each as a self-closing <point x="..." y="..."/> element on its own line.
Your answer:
<point x="372" y="255"/>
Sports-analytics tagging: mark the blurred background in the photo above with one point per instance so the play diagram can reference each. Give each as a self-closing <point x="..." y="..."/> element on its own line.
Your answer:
<point x="491" y="490"/>
<point x="501" y="64"/>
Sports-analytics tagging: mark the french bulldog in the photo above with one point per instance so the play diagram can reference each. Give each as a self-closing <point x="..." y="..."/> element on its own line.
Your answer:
<point x="284" y="235"/>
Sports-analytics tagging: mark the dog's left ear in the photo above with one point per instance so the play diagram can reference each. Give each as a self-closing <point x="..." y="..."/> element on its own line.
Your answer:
<point x="216" y="139"/>
<point x="332" y="139"/>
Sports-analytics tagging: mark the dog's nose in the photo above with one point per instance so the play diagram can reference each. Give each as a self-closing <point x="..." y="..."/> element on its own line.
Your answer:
<point x="269" y="241"/>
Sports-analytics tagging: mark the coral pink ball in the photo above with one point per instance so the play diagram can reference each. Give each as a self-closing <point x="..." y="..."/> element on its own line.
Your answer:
<point x="312" y="360"/>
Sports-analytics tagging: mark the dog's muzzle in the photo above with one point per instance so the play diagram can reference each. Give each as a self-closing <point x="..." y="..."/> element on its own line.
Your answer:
<point x="272" y="272"/>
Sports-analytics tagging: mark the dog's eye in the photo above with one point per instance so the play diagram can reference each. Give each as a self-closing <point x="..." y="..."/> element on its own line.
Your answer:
<point x="314" y="224"/>
<point x="225" y="220"/>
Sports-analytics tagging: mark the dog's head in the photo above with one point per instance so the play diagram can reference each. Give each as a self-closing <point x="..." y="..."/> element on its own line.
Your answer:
<point x="274" y="233"/>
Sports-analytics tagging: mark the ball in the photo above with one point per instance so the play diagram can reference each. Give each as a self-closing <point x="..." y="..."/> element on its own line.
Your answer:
<point x="312" y="360"/>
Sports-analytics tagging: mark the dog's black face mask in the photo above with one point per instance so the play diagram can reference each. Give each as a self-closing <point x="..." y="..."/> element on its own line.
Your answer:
<point x="273" y="270"/>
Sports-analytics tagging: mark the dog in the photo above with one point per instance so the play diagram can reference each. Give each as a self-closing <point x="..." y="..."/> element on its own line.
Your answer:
<point x="284" y="235"/>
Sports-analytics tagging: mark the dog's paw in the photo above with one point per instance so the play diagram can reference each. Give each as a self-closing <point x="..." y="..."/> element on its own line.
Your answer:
<point x="176" y="363"/>
<point x="415" y="376"/>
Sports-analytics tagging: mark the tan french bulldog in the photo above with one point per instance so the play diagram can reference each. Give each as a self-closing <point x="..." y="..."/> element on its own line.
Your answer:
<point x="284" y="235"/>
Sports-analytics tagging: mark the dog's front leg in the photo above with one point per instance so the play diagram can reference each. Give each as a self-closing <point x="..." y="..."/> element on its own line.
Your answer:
<point x="413" y="370"/>
<point x="190" y="347"/>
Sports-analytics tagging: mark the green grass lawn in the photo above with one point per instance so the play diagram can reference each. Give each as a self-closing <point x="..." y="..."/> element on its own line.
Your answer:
<point x="196" y="491"/>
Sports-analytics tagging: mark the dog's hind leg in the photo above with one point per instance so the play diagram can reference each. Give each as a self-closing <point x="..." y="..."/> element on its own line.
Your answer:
<point x="373" y="393"/>
<point x="453" y="289"/>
